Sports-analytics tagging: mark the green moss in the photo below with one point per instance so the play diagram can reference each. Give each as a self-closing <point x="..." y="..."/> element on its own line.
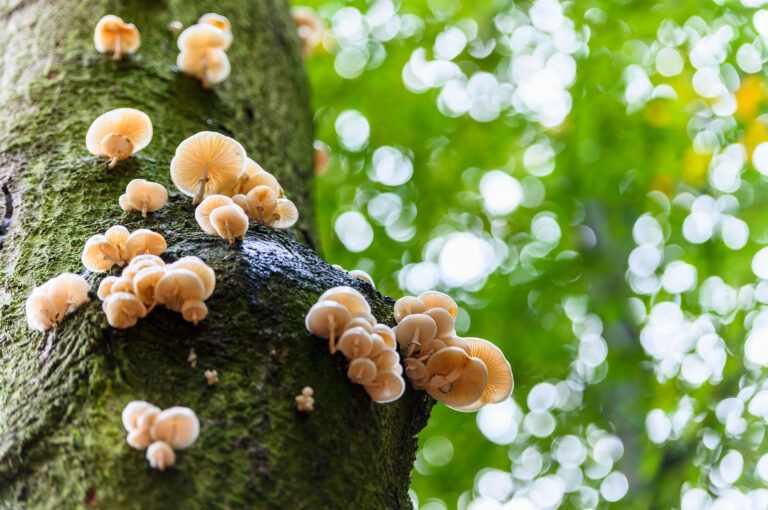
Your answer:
<point x="61" y="439"/>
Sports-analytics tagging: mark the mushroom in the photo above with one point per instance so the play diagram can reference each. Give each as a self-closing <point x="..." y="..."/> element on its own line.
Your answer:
<point x="220" y="22"/>
<point x="201" y="269"/>
<point x="133" y="411"/>
<point x="310" y="28"/>
<point x="176" y="287"/>
<point x="68" y="291"/>
<point x="455" y="378"/>
<point x="347" y="296"/>
<point x="406" y="306"/>
<point x="386" y="359"/>
<point x="325" y="319"/>
<point x="141" y="262"/>
<point x="206" y="207"/>
<point x="285" y="215"/>
<point x="305" y="402"/>
<point x="144" y="241"/>
<point x="144" y="196"/>
<point x="387" y="387"/>
<point x="207" y="163"/>
<point x="105" y="287"/>
<point x="230" y="222"/>
<point x="241" y="201"/>
<point x="435" y="299"/>
<point x="443" y="320"/>
<point x="40" y="310"/>
<point x="119" y="133"/>
<point x="355" y="343"/>
<point x="200" y="37"/>
<point x="253" y="176"/>
<point x="99" y="254"/>
<point x="123" y="310"/>
<point x="416" y="372"/>
<point x="122" y="284"/>
<point x="361" y="371"/>
<point x="145" y="283"/>
<point x="386" y="334"/>
<point x="428" y="348"/>
<point x="160" y="455"/>
<point x="211" y="377"/>
<point x="366" y="316"/>
<point x="414" y="330"/>
<point x="175" y="26"/>
<point x="177" y="426"/>
<point x="500" y="379"/>
<point x="456" y="341"/>
<point x="194" y="310"/>
<point x="118" y="235"/>
<point x="322" y="157"/>
<point x="113" y="35"/>
<point x="362" y="275"/>
<point x="359" y="322"/>
<point x="261" y="203"/>
<point x="139" y="439"/>
<point x="209" y="66"/>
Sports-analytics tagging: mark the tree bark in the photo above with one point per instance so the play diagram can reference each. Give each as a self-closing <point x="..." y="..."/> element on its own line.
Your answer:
<point x="62" y="444"/>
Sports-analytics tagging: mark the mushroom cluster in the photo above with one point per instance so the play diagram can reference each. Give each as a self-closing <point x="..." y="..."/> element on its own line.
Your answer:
<point x="147" y="281"/>
<point x="159" y="432"/>
<point x="463" y="373"/>
<point x="304" y="402"/>
<point x="49" y="303"/>
<point x="113" y="35"/>
<point x="119" y="133"/>
<point x="310" y="27"/>
<point x="343" y="316"/>
<point x="357" y="273"/>
<point x="144" y="196"/>
<point x="202" y="49"/>
<point x="117" y="246"/>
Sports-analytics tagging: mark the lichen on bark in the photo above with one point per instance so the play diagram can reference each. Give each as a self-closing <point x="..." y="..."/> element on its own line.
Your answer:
<point x="61" y="439"/>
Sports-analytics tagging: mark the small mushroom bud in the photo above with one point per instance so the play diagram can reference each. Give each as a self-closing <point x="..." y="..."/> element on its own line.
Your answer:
<point x="220" y="22"/>
<point x="211" y="377"/>
<point x="194" y="311"/>
<point x="118" y="235"/>
<point x="40" y="310"/>
<point x="261" y="203"/>
<point x="347" y="296"/>
<point x="361" y="371"/>
<point x="177" y="426"/>
<point x="305" y="402"/>
<point x="355" y="343"/>
<point x="207" y="163"/>
<point x="206" y="207"/>
<point x="113" y="35"/>
<point x="119" y="133"/>
<point x="144" y="241"/>
<point x="325" y="319"/>
<point x="133" y="410"/>
<point x="362" y="275"/>
<point x="160" y="455"/>
<point x="387" y="387"/>
<point x="415" y="330"/>
<point x="285" y="215"/>
<point x="105" y="287"/>
<point x="201" y="269"/>
<point x="406" y="306"/>
<point x="178" y="286"/>
<point x="435" y="299"/>
<point x="123" y="310"/>
<point x="230" y="222"/>
<point x="144" y="196"/>
<point x="99" y="254"/>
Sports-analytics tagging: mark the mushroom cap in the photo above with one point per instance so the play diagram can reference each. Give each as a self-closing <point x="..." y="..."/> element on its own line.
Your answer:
<point x="142" y="262"/>
<point x="210" y="63"/>
<point x="206" y="207"/>
<point x="200" y="37"/>
<point x="143" y="241"/>
<point x="355" y="343"/>
<point x="223" y="156"/>
<point x="361" y="371"/>
<point x="324" y="315"/>
<point x="286" y="214"/>
<point x="264" y="198"/>
<point x="177" y="286"/>
<point x="177" y="426"/>
<point x="133" y="410"/>
<point x="417" y="328"/>
<point x="386" y="334"/>
<point x="367" y="316"/>
<point x="201" y="269"/>
<point x="430" y="347"/>
<point x="105" y="287"/>
<point x="118" y="235"/>
<point x="258" y="177"/>
<point x="229" y="221"/>
<point x="122" y="284"/>
<point x="500" y="379"/>
<point x="107" y="30"/>
<point x="139" y="439"/>
<point x="123" y="310"/>
<point x="457" y="341"/>
<point x="406" y="306"/>
<point x="142" y="193"/>
<point x="218" y="21"/>
<point x="160" y="455"/>
<point x="362" y="275"/>
<point x="435" y="299"/>
<point x="145" y="282"/>
<point x="347" y="296"/>
<point x="386" y="359"/>
<point x="147" y="418"/>
<point x="359" y="322"/>
<point x="387" y="387"/>
<point x="310" y="28"/>
<point x="99" y="254"/>
<point x="194" y="310"/>
<point x="241" y="201"/>
<point x="466" y="377"/>
<point x="68" y="291"/>
<point x="131" y="123"/>
<point x="40" y="310"/>
<point x="378" y="345"/>
<point x="443" y="320"/>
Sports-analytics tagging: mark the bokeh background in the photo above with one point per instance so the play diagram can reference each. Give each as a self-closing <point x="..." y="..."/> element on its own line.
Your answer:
<point x="588" y="180"/>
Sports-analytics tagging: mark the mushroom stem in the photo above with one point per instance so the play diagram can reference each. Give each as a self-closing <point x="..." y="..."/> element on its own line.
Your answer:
<point x="332" y="337"/>
<point x="261" y="215"/>
<point x="201" y="187"/>
<point x="113" y="161"/>
<point x="413" y="345"/>
<point x="229" y="234"/>
<point x="204" y="78"/>
<point x="144" y="207"/>
<point x="118" y="55"/>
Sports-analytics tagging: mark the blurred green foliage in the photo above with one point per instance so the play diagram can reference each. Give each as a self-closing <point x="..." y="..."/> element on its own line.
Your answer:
<point x="615" y="261"/>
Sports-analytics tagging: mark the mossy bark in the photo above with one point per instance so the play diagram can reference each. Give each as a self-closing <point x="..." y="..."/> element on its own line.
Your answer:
<point x="62" y="444"/>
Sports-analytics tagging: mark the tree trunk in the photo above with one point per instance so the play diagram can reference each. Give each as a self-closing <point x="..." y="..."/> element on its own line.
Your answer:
<point x="62" y="444"/>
